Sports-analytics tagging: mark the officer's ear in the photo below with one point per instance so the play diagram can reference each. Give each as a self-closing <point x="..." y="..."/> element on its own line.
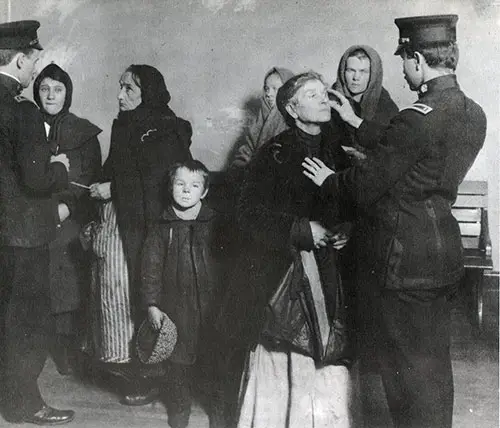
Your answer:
<point x="419" y="58"/>
<point x="20" y="58"/>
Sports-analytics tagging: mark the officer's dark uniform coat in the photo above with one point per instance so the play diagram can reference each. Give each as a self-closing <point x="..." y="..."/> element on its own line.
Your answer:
<point x="407" y="187"/>
<point x="28" y="220"/>
<point x="410" y="183"/>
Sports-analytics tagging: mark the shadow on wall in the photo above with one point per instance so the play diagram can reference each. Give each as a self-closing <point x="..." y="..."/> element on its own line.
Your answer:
<point x="251" y="105"/>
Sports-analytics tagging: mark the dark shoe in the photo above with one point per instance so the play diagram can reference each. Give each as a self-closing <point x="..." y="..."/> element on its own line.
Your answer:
<point x="141" y="399"/>
<point x="50" y="416"/>
<point x="180" y="419"/>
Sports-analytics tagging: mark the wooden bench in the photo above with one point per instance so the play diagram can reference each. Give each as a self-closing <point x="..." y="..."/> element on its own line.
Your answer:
<point x="471" y="212"/>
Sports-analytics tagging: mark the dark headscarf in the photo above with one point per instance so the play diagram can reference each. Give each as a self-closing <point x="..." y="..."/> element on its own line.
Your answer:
<point x="54" y="72"/>
<point x="370" y="98"/>
<point x="154" y="92"/>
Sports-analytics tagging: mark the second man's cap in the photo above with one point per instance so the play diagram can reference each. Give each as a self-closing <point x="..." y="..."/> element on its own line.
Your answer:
<point x="425" y="31"/>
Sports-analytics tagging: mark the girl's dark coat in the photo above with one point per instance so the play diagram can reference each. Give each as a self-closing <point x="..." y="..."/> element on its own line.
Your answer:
<point x="182" y="274"/>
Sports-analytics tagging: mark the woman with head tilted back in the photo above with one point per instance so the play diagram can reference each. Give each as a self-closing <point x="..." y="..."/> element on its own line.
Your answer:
<point x="69" y="267"/>
<point x="147" y="138"/>
<point x="291" y="379"/>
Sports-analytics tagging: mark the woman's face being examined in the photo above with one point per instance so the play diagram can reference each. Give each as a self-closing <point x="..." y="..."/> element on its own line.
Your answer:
<point x="129" y="96"/>
<point x="271" y="85"/>
<point x="52" y="95"/>
<point x="311" y="103"/>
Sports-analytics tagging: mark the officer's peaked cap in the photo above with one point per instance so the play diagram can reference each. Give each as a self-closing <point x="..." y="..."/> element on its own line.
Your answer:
<point x="19" y="35"/>
<point x="426" y="31"/>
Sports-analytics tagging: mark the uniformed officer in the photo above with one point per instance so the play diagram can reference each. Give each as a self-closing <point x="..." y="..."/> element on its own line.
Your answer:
<point x="28" y="221"/>
<point x="407" y="187"/>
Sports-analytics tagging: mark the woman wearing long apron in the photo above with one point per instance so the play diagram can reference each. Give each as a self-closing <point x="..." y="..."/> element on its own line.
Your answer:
<point x="146" y="139"/>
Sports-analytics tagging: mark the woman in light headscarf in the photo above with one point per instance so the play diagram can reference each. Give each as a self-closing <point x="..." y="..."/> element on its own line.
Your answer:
<point x="69" y="266"/>
<point x="359" y="79"/>
<point x="269" y="121"/>
<point x="147" y="138"/>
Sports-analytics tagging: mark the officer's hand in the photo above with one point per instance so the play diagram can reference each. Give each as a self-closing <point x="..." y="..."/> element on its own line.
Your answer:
<point x="321" y="235"/>
<point x="155" y="317"/>
<point x="100" y="191"/>
<point x="343" y="107"/>
<point x="316" y="170"/>
<point x="60" y="158"/>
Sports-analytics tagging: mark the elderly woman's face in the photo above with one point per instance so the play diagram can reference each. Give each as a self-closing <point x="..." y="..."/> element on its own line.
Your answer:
<point x="129" y="96"/>
<point x="310" y="103"/>
<point x="52" y="95"/>
<point x="271" y="85"/>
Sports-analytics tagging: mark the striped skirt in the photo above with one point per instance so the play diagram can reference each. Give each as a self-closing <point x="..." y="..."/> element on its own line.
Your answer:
<point x="111" y="321"/>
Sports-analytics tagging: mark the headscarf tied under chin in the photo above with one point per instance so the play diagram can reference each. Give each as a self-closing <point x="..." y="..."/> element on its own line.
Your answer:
<point x="370" y="98"/>
<point x="54" y="72"/>
<point x="154" y="92"/>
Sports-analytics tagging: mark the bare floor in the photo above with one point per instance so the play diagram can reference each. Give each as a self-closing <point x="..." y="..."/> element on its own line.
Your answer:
<point x="475" y="364"/>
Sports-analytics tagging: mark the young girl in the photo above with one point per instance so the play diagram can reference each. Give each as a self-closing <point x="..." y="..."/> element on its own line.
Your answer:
<point x="181" y="278"/>
<point x="269" y="121"/>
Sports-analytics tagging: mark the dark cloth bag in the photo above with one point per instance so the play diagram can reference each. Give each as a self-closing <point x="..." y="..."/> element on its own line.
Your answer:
<point x="291" y="319"/>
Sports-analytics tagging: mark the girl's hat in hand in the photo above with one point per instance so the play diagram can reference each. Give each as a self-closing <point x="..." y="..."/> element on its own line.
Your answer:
<point x="156" y="346"/>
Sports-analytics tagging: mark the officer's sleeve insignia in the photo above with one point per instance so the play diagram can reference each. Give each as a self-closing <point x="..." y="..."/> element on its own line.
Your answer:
<point x="421" y="108"/>
<point x="20" y="99"/>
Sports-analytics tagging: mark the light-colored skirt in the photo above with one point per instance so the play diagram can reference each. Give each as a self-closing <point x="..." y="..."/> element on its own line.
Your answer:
<point x="287" y="390"/>
<point x="112" y="325"/>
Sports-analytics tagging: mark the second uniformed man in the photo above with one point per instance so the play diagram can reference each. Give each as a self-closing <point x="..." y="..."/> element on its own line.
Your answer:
<point x="407" y="186"/>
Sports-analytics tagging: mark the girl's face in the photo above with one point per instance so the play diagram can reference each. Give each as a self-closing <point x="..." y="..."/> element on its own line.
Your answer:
<point x="52" y="95"/>
<point x="271" y="85"/>
<point x="188" y="188"/>
<point x="129" y="96"/>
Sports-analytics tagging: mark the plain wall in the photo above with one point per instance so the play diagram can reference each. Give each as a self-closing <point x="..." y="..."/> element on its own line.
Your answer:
<point x="214" y="54"/>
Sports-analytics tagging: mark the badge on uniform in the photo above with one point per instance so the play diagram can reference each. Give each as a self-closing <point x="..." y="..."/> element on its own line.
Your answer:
<point x="421" y="108"/>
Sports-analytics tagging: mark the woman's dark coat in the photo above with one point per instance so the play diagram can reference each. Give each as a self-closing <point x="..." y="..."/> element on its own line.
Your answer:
<point x="274" y="211"/>
<point x="142" y="151"/>
<point x="68" y="269"/>
<point x="182" y="274"/>
<point x="77" y="139"/>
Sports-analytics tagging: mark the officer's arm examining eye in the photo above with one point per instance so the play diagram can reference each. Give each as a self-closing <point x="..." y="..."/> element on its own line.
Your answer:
<point x="314" y="168"/>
